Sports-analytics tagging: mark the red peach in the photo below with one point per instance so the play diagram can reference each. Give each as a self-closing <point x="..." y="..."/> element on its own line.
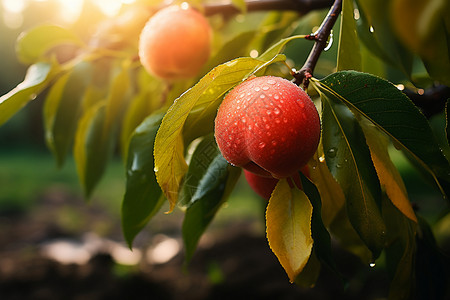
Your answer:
<point x="269" y="126"/>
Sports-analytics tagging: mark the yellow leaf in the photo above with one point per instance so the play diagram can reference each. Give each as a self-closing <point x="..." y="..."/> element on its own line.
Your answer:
<point x="330" y="191"/>
<point x="388" y="174"/>
<point x="170" y="164"/>
<point x="288" y="221"/>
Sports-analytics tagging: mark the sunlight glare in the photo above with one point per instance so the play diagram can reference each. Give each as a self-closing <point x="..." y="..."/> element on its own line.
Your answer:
<point x="70" y="10"/>
<point x="14" y="6"/>
<point x="109" y="7"/>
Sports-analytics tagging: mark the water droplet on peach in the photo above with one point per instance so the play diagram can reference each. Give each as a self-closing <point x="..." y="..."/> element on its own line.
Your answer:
<point x="262" y="96"/>
<point x="257" y="89"/>
<point x="262" y="145"/>
<point x="276" y="97"/>
<point x="271" y="81"/>
<point x="265" y="88"/>
<point x="276" y="111"/>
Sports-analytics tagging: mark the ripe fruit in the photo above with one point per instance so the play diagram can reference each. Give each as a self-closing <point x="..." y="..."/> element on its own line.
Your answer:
<point x="264" y="186"/>
<point x="269" y="126"/>
<point x="175" y="43"/>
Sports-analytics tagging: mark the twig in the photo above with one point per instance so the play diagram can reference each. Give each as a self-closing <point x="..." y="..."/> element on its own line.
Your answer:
<point x="430" y="101"/>
<point x="320" y="37"/>
<point x="302" y="6"/>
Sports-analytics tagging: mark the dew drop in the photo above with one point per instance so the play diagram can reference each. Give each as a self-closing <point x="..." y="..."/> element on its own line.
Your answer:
<point x="267" y="126"/>
<point x="262" y="145"/>
<point x="262" y="96"/>
<point x="332" y="152"/>
<point x="257" y="89"/>
<point x="249" y="127"/>
<point x="276" y="97"/>
<point x="243" y="120"/>
<point x="265" y="88"/>
<point x="338" y="166"/>
<point x="271" y="81"/>
<point x="276" y="111"/>
<point x="242" y="95"/>
<point x="268" y="111"/>
<point x="322" y="158"/>
<point x="278" y="121"/>
<point x="264" y="119"/>
<point x="155" y="169"/>
<point x="285" y="120"/>
<point x="372" y="264"/>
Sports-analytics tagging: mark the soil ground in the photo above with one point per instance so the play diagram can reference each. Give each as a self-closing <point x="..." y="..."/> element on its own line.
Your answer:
<point x="232" y="262"/>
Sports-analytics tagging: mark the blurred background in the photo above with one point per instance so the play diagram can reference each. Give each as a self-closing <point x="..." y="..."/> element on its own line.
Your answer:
<point x="55" y="244"/>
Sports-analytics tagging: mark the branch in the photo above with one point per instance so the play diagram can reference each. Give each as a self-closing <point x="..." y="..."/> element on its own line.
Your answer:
<point x="320" y="37"/>
<point x="430" y="101"/>
<point x="302" y="6"/>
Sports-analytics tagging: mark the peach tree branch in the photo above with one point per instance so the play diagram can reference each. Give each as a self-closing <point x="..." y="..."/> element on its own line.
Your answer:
<point x="302" y="6"/>
<point x="320" y="38"/>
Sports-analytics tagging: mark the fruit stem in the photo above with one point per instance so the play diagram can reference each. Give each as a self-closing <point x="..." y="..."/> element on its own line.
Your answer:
<point x="302" y="6"/>
<point x="320" y="38"/>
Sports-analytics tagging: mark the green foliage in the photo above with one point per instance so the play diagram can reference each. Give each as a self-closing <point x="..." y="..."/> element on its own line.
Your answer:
<point x="100" y="99"/>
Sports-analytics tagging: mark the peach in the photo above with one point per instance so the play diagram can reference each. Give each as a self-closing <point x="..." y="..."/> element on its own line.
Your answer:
<point x="269" y="126"/>
<point x="175" y="43"/>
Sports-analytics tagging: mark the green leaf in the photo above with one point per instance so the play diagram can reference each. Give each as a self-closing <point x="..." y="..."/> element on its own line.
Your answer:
<point x="348" y="238"/>
<point x="236" y="47"/>
<point x="376" y="31"/>
<point x="197" y="108"/>
<point x="62" y="109"/>
<point x="320" y="235"/>
<point x="141" y="105"/>
<point x="400" y="252"/>
<point x="348" y="159"/>
<point x="92" y="148"/>
<point x="96" y="133"/>
<point x="288" y="223"/>
<point x="205" y="152"/>
<point x="391" y="111"/>
<point x="33" y="44"/>
<point x="278" y="47"/>
<point x="142" y="198"/>
<point x="349" y="55"/>
<point x="424" y="26"/>
<point x="37" y="78"/>
<point x="117" y="99"/>
<point x="209" y="181"/>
